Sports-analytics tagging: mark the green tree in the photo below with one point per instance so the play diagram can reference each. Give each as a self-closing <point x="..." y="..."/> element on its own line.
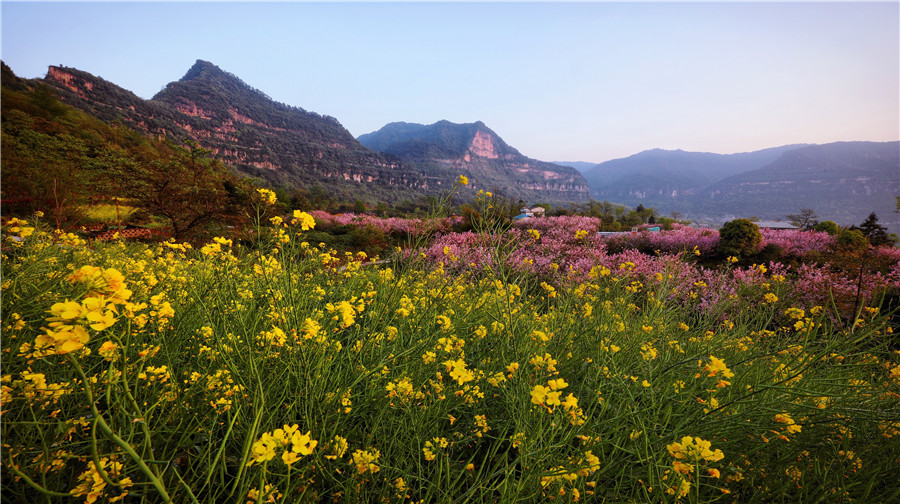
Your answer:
<point x="829" y="227"/>
<point x="875" y="232"/>
<point x="42" y="168"/>
<point x="852" y="240"/>
<point x="633" y="218"/>
<point x="187" y="188"/>
<point x="646" y="214"/>
<point x="739" y="237"/>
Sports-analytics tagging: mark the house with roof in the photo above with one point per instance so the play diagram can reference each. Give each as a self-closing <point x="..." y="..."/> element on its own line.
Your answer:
<point x="767" y="224"/>
<point x="526" y="212"/>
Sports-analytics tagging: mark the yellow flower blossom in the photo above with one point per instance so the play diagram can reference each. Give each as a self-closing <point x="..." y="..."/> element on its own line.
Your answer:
<point x="365" y="461"/>
<point x="693" y="450"/>
<point x="267" y="196"/>
<point x="791" y="426"/>
<point x="305" y="220"/>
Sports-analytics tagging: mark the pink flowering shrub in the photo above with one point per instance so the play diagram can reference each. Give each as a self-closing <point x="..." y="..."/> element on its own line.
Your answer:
<point x="565" y="249"/>
<point x="680" y="238"/>
<point x="889" y="254"/>
<point x="392" y="225"/>
<point x="558" y="255"/>
<point x="570" y="223"/>
<point x="798" y="243"/>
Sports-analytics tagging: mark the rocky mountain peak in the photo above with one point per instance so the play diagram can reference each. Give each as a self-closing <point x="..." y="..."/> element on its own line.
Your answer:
<point x="201" y="69"/>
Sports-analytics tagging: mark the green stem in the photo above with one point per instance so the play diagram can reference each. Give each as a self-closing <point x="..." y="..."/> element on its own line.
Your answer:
<point x="50" y="493"/>
<point x="116" y="439"/>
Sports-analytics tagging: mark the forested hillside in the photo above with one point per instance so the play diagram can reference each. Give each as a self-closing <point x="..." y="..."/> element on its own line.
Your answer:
<point x="61" y="160"/>
<point x="285" y="146"/>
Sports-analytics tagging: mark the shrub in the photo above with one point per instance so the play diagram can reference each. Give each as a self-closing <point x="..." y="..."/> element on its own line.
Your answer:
<point x="829" y="227"/>
<point x="771" y="252"/>
<point x="852" y="239"/>
<point x="739" y="237"/>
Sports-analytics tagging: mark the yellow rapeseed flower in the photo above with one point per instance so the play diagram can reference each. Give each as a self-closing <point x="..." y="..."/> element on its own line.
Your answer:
<point x="539" y="394"/>
<point x="791" y="426"/>
<point x="693" y="450"/>
<point x="267" y="196"/>
<point x="364" y="460"/>
<point x="305" y="220"/>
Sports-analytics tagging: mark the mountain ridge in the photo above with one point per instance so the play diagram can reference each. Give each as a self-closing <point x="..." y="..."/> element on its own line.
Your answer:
<point x="284" y="145"/>
<point x="292" y="147"/>
<point x="769" y="183"/>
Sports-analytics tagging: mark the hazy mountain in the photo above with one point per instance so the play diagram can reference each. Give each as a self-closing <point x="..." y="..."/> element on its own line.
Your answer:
<point x="842" y="181"/>
<point x="658" y="174"/>
<point x="477" y="152"/>
<point x="581" y="166"/>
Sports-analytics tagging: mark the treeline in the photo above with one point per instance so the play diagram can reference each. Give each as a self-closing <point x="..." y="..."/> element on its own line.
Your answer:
<point x="870" y="229"/>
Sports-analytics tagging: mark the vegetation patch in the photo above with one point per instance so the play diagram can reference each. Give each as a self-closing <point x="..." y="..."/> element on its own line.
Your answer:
<point x="276" y="370"/>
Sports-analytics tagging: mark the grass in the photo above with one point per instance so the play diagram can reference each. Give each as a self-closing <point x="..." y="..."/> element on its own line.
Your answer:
<point x="106" y="212"/>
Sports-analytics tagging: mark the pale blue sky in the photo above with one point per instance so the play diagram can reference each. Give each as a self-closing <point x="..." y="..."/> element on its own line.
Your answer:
<point x="574" y="81"/>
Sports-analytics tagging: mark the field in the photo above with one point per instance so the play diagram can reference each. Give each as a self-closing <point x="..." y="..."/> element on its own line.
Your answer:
<point x="107" y="212"/>
<point x="531" y="363"/>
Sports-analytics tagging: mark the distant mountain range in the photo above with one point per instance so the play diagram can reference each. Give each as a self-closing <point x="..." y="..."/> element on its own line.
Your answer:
<point x="294" y="148"/>
<point x="842" y="181"/>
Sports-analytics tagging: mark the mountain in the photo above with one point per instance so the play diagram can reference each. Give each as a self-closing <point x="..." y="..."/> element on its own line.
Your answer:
<point x="842" y="181"/>
<point x="255" y="135"/>
<point x="658" y="175"/>
<point x="581" y="166"/>
<point x="61" y="160"/>
<point x="474" y="150"/>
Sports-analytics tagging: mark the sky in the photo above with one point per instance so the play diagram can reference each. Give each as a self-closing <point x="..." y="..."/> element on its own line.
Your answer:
<point x="557" y="81"/>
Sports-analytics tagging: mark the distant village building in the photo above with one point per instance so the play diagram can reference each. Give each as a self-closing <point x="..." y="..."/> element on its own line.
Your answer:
<point x="526" y="212"/>
<point x="767" y="224"/>
<point x="634" y="230"/>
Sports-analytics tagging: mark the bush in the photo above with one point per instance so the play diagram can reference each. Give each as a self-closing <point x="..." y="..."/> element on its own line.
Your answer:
<point x="739" y="237"/>
<point x="852" y="239"/>
<point x="369" y="239"/>
<point x="829" y="227"/>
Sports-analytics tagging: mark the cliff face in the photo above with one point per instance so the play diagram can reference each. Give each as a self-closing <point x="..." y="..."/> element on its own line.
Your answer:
<point x="445" y="150"/>
<point x="244" y="128"/>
